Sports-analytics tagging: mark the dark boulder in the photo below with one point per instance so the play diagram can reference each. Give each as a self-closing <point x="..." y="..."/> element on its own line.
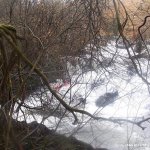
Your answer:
<point x="106" y="99"/>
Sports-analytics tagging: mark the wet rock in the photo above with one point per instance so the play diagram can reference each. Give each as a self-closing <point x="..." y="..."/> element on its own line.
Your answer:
<point x="131" y="70"/>
<point x="106" y="99"/>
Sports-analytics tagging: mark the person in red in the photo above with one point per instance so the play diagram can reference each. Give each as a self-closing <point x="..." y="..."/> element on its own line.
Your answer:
<point x="57" y="86"/>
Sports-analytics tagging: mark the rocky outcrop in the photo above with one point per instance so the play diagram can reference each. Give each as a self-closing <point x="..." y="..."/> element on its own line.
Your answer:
<point x="37" y="136"/>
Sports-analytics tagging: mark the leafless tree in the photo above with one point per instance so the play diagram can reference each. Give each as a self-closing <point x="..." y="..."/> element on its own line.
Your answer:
<point x="41" y="44"/>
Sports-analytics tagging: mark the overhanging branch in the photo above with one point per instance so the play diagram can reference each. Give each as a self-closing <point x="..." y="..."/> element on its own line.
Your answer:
<point x="9" y="33"/>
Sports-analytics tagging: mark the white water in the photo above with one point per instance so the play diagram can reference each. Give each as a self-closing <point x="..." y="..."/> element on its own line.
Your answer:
<point x="133" y="102"/>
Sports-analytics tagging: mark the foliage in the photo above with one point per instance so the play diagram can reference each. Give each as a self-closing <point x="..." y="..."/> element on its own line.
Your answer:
<point x="35" y="49"/>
